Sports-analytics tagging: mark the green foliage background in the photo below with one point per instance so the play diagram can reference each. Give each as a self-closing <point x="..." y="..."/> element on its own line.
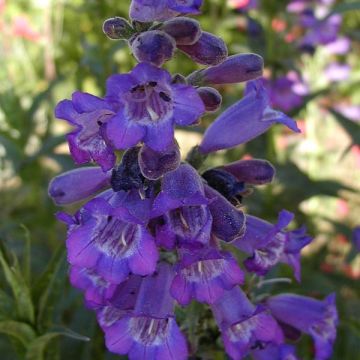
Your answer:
<point x="41" y="316"/>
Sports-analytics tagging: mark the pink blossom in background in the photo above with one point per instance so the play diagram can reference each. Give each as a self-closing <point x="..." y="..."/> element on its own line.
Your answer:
<point x="243" y="4"/>
<point x="21" y="27"/>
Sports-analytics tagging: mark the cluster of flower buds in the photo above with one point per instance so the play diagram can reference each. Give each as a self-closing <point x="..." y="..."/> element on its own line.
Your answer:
<point x="151" y="238"/>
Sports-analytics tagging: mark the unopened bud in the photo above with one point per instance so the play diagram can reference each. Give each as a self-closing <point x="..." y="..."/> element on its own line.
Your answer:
<point x="117" y="28"/>
<point x="211" y="98"/>
<point x="155" y="47"/>
<point x="184" y="30"/>
<point x="208" y="50"/>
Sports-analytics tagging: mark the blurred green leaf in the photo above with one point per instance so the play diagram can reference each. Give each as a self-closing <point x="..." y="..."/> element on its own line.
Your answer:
<point x="343" y="7"/>
<point x="19" y="330"/>
<point x="13" y="151"/>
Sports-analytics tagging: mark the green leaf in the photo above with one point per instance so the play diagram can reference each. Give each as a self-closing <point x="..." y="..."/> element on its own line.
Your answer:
<point x="49" y="288"/>
<point x="27" y="254"/>
<point x="13" y="152"/>
<point x="6" y="305"/>
<point x="344" y="7"/>
<point x="19" y="330"/>
<point x="19" y="287"/>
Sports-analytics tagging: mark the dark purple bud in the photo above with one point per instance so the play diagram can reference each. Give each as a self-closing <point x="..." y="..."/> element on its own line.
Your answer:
<point x="228" y="221"/>
<point x="155" y="47"/>
<point x="184" y="30"/>
<point x="211" y="98"/>
<point x="154" y="164"/>
<point x="128" y="175"/>
<point x="208" y="50"/>
<point x="178" y="79"/>
<point x="235" y="69"/>
<point x="225" y="183"/>
<point x="256" y="171"/>
<point x="117" y="28"/>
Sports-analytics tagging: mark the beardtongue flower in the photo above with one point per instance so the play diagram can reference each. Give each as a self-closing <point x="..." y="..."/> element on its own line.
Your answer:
<point x="208" y="50"/>
<point x="243" y="121"/>
<point x="88" y="114"/>
<point x="148" y="107"/>
<point x="210" y="97"/>
<point x="244" y="327"/>
<point x="205" y="276"/>
<point x="77" y="184"/>
<point x="160" y="10"/>
<point x="184" y="31"/>
<point x="269" y="244"/>
<point x="356" y="238"/>
<point x="112" y="240"/>
<point x="275" y="352"/>
<point x="235" y="69"/>
<point x="182" y="206"/>
<point x="117" y="28"/>
<point x="150" y="331"/>
<point x="314" y="317"/>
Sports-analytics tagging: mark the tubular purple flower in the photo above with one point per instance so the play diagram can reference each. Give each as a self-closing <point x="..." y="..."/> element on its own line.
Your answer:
<point x="160" y="10"/>
<point x="208" y="50"/>
<point x="154" y="46"/>
<point x="205" y="276"/>
<point x="150" y="332"/>
<point x="314" y="317"/>
<point x="254" y="171"/>
<point x="228" y="221"/>
<point x="185" y="31"/>
<point x="235" y="69"/>
<point x="96" y="289"/>
<point x="243" y="326"/>
<point x="154" y="164"/>
<point x="148" y="107"/>
<point x="275" y="352"/>
<point x="117" y="28"/>
<point x="356" y="238"/>
<point x="243" y="121"/>
<point x="77" y="184"/>
<point x="112" y="241"/>
<point x="88" y="114"/>
<point x="182" y="205"/>
<point x="211" y="98"/>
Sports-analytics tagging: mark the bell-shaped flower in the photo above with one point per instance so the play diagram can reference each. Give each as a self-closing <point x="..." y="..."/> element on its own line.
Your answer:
<point x="148" y="107"/>
<point x="270" y="244"/>
<point x="183" y="207"/>
<point x="149" y="332"/>
<point x="77" y="184"/>
<point x="205" y="275"/>
<point x="160" y="10"/>
<point x="88" y="114"/>
<point x="314" y="317"/>
<point x="113" y="241"/>
<point x="244" y="327"/>
<point x="243" y="121"/>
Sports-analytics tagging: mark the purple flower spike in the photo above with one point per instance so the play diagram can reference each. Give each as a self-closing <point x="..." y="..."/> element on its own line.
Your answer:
<point x="235" y="69"/>
<point x="88" y="114"/>
<point x="254" y="171"/>
<point x="228" y="221"/>
<point x="244" y="121"/>
<point x="243" y="326"/>
<point x="205" y="276"/>
<point x="150" y="332"/>
<point x="275" y="352"/>
<point x="184" y="30"/>
<point x="148" y="107"/>
<point x="155" y="47"/>
<point x="314" y="317"/>
<point x="160" y="10"/>
<point x="97" y="291"/>
<point x="211" y="98"/>
<point x="208" y="50"/>
<point x="77" y="184"/>
<point x="112" y="241"/>
<point x="182" y="204"/>
<point x="155" y="164"/>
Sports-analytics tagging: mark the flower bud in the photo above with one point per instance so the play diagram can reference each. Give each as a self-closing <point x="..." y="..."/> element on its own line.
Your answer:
<point x="77" y="184"/>
<point x="117" y="28"/>
<point x="154" y="164"/>
<point x="235" y="69"/>
<point x="155" y="47"/>
<point x="208" y="50"/>
<point x="184" y="30"/>
<point x="211" y="98"/>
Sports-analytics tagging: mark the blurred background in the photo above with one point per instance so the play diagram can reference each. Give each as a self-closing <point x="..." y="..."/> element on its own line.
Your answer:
<point x="50" y="48"/>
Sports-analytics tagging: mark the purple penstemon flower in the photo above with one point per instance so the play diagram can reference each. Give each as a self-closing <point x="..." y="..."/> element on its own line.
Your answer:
<point x="314" y="317"/>
<point x="148" y="106"/>
<point x="275" y="352"/>
<point x="88" y="114"/>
